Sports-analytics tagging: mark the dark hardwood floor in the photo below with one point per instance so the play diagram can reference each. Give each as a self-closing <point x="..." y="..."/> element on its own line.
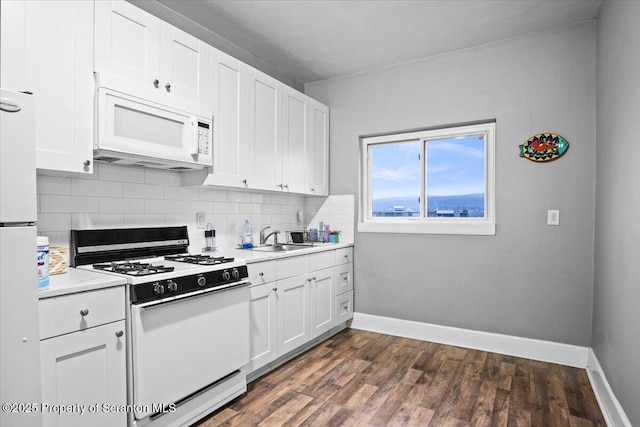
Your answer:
<point x="360" y="378"/>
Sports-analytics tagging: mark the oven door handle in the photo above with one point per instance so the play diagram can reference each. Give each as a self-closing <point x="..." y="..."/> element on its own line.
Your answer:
<point x="163" y="302"/>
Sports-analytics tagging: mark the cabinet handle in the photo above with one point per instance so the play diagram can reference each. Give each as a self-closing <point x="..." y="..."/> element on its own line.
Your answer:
<point x="313" y="190"/>
<point x="119" y="334"/>
<point x="286" y="186"/>
<point x="280" y="185"/>
<point x="261" y="274"/>
<point x="244" y="181"/>
<point x="84" y="312"/>
<point x="167" y="87"/>
<point x="156" y="83"/>
<point x="86" y="162"/>
<point x="313" y="278"/>
<point x="275" y="289"/>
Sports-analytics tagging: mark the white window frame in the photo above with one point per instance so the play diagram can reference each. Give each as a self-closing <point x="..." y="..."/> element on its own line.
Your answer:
<point x="429" y="225"/>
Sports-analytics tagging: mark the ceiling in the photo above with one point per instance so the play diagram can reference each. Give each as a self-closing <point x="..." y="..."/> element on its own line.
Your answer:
<point x="315" y="40"/>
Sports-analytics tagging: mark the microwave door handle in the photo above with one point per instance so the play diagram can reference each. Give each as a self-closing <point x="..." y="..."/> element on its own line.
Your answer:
<point x="194" y="142"/>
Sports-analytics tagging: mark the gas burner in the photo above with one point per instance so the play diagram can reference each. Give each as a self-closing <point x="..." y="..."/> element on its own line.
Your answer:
<point x="198" y="259"/>
<point x="133" y="268"/>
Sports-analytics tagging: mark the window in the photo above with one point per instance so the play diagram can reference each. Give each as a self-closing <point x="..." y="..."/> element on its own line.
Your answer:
<point x="438" y="181"/>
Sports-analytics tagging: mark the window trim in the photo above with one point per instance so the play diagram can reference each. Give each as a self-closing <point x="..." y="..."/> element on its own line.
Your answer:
<point x="468" y="226"/>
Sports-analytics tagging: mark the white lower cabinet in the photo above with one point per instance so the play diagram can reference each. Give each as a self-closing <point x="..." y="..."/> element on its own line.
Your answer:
<point x="297" y="299"/>
<point x="263" y="325"/>
<point x="81" y="370"/>
<point x="292" y="312"/>
<point x="83" y="358"/>
<point x="321" y="301"/>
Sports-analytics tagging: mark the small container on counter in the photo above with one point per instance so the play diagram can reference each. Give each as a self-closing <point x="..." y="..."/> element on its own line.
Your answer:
<point x="43" y="263"/>
<point x="210" y="239"/>
<point x="313" y="235"/>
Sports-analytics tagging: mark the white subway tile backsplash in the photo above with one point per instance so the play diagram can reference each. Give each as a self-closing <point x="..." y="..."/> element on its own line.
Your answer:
<point x="121" y="205"/>
<point x="53" y="185"/>
<point x="214" y="195"/>
<point x="239" y="196"/>
<point x="83" y="221"/>
<point x="68" y="204"/>
<point x="163" y="206"/>
<point x="89" y="187"/>
<point x="117" y="196"/>
<point x="180" y="193"/>
<point x="226" y="208"/>
<point x="54" y="222"/>
<point x="121" y="173"/>
<point x="143" y="220"/>
<point x="143" y="191"/>
<point x="199" y="206"/>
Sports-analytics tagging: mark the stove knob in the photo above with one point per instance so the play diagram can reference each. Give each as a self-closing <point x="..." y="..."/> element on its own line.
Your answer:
<point x="202" y="281"/>
<point x="235" y="273"/>
<point x="158" y="289"/>
<point x="226" y="276"/>
<point x="172" y="286"/>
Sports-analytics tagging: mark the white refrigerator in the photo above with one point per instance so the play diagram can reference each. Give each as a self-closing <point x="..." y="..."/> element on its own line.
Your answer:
<point x="19" y="323"/>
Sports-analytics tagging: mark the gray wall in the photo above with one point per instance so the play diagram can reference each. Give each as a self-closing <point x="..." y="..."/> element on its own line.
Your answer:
<point x="530" y="279"/>
<point x="616" y="317"/>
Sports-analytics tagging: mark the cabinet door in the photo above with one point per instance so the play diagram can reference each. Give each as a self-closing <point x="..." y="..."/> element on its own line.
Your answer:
<point x="264" y="139"/>
<point x="85" y="368"/>
<point x="127" y="42"/>
<point x="263" y="325"/>
<point x="59" y="71"/>
<point x="229" y="79"/>
<point x="294" y="116"/>
<point x="321" y="302"/>
<point x="317" y="151"/>
<point x="184" y="64"/>
<point x="293" y="313"/>
<point x="12" y="45"/>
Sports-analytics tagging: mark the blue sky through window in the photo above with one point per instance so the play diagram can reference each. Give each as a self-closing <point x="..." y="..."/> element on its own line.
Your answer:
<point x="455" y="167"/>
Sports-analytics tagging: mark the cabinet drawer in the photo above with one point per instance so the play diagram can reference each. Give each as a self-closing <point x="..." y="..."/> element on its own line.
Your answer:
<point x="61" y="315"/>
<point x="321" y="260"/>
<point x="293" y="266"/>
<point x="262" y="272"/>
<point x="344" y="256"/>
<point x="343" y="278"/>
<point x="344" y="307"/>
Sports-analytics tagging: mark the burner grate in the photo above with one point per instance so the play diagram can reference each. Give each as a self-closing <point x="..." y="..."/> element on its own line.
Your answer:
<point x="199" y="259"/>
<point x="133" y="268"/>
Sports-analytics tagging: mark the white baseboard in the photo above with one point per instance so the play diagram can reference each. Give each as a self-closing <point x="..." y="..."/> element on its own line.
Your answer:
<point x="613" y="413"/>
<point x="544" y="351"/>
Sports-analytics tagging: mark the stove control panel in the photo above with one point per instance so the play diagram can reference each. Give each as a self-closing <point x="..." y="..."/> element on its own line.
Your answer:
<point x="155" y="290"/>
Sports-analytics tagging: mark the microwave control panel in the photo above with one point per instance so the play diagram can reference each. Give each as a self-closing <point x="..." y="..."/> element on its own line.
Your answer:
<point x="204" y="138"/>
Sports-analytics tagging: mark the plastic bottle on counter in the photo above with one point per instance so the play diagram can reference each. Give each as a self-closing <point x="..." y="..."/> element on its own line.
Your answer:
<point x="321" y="232"/>
<point x="326" y="233"/>
<point x="210" y="239"/>
<point x="247" y="235"/>
<point x="43" y="263"/>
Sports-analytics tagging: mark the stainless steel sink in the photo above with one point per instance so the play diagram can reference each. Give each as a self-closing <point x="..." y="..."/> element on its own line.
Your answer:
<point x="280" y="247"/>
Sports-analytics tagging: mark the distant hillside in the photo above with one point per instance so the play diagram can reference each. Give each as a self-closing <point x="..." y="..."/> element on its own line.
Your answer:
<point x="474" y="203"/>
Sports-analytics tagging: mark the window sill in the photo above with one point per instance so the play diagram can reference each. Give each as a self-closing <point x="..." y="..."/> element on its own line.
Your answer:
<point x="475" y="228"/>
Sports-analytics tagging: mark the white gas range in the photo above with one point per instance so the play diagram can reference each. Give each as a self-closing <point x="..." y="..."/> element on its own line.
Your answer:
<point x="187" y="321"/>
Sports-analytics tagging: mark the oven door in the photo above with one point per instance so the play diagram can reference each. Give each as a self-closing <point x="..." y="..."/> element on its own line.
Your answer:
<point x="183" y="346"/>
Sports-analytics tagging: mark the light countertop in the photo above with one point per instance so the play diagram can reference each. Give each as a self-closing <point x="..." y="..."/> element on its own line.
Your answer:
<point x="252" y="256"/>
<point x="74" y="280"/>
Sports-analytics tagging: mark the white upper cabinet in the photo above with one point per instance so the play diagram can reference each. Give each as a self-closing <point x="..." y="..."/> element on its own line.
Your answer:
<point x="317" y="151"/>
<point x="294" y="125"/>
<point x="137" y="47"/>
<point x="228" y="80"/>
<point x="264" y="142"/>
<point x="47" y="49"/>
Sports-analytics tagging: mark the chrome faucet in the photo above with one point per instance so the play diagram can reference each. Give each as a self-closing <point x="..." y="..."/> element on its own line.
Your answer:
<point x="263" y="238"/>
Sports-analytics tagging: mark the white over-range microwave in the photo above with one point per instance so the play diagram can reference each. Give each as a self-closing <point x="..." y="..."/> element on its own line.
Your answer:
<point x="133" y="128"/>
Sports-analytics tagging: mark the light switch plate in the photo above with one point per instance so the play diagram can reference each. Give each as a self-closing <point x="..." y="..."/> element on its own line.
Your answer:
<point x="200" y="219"/>
<point x="553" y="217"/>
